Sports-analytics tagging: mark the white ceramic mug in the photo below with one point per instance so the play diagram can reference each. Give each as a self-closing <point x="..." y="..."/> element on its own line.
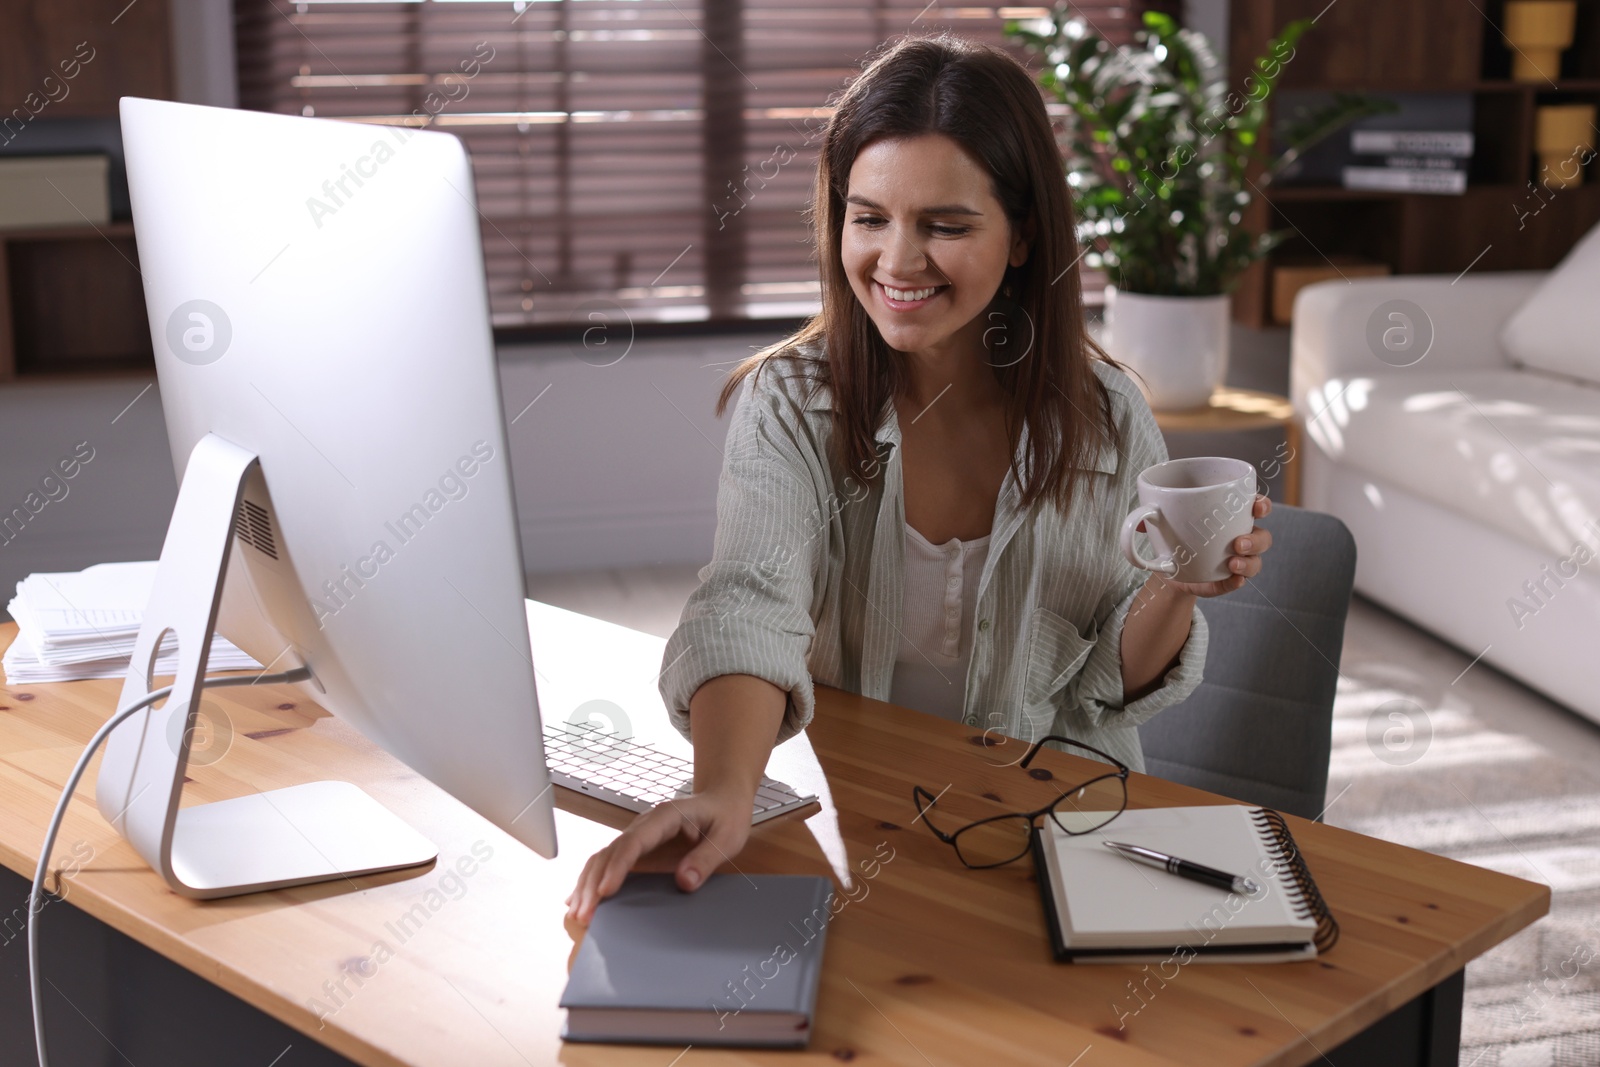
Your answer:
<point x="1193" y="511"/>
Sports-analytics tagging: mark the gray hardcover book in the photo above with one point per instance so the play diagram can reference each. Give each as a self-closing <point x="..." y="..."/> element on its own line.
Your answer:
<point x="735" y="963"/>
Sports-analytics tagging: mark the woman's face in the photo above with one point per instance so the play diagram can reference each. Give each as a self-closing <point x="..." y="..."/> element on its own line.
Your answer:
<point x="925" y="242"/>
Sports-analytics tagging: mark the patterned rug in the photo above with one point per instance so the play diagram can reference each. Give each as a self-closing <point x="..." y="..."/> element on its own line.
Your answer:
<point x="1440" y="765"/>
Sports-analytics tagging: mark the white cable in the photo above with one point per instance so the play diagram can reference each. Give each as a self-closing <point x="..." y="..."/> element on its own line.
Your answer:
<point x="35" y="903"/>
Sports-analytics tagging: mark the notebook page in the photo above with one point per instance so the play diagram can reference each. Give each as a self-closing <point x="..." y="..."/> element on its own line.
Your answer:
<point x="1112" y="901"/>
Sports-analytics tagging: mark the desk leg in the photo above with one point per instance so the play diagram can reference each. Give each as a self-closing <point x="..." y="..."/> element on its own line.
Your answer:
<point x="1291" y="469"/>
<point x="1423" y="1033"/>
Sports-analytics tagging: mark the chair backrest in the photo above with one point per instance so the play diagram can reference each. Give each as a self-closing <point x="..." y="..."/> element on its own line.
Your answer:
<point x="1258" y="728"/>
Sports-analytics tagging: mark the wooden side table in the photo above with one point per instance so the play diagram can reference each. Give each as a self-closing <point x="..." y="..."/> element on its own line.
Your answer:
<point x="1245" y="409"/>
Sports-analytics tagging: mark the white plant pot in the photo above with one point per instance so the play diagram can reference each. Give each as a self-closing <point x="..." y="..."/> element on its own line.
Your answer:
<point x="1177" y="345"/>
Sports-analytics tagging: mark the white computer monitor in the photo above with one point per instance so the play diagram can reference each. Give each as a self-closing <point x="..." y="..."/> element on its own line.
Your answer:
<point x="317" y="302"/>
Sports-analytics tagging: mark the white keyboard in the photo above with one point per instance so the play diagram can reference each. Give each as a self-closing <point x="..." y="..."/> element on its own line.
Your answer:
<point x="636" y="775"/>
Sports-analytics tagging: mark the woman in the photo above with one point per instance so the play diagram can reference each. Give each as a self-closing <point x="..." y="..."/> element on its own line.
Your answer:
<point x="922" y="490"/>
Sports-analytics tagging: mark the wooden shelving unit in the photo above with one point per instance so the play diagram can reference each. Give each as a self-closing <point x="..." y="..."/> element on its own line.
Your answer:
<point x="1502" y="222"/>
<point x="71" y="299"/>
<point x="72" y="302"/>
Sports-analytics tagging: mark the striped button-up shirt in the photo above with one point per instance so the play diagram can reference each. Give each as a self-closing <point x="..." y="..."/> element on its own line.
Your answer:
<point x="805" y="579"/>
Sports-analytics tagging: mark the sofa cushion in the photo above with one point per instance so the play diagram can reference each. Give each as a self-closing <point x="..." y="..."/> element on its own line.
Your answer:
<point x="1558" y="329"/>
<point x="1516" y="450"/>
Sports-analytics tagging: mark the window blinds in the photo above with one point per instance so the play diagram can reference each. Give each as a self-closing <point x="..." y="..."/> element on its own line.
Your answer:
<point x="651" y="158"/>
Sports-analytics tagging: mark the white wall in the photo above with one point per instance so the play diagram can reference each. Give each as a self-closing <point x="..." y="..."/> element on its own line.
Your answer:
<point x="115" y="507"/>
<point x="617" y="465"/>
<point x="614" y="465"/>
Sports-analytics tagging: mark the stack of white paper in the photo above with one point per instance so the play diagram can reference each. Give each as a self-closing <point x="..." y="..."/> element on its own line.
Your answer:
<point x="84" y="625"/>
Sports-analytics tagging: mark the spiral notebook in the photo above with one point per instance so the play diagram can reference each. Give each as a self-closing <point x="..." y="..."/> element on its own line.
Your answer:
<point x="1102" y="907"/>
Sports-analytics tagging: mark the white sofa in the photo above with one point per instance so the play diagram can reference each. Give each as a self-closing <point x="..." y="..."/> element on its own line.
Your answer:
<point x="1470" y="481"/>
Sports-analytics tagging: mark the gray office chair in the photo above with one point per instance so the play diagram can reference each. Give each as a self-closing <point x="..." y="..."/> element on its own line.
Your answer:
<point x="1258" y="726"/>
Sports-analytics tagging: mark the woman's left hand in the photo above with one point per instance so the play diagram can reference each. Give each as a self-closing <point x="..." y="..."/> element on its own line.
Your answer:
<point x="1245" y="563"/>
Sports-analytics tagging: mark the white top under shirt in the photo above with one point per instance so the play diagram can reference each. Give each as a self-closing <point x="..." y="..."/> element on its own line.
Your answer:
<point x="941" y="597"/>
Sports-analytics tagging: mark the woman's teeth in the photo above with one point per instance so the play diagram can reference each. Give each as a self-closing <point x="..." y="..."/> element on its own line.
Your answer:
<point x="910" y="294"/>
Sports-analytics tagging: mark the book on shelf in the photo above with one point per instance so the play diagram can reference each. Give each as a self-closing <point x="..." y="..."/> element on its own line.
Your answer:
<point x="1405" y="179"/>
<point x="1402" y="162"/>
<point x="1408" y="161"/>
<point x="1425" y="131"/>
<point x="1452" y="144"/>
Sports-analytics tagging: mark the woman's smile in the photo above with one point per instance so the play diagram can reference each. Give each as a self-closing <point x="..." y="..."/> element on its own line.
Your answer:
<point x="898" y="299"/>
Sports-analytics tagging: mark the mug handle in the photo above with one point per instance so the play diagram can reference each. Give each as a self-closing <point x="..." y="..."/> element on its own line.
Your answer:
<point x="1167" y="565"/>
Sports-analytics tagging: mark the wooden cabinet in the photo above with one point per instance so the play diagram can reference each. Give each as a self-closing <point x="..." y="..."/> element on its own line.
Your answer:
<point x="72" y="301"/>
<point x="1506" y="220"/>
<point x="71" y="298"/>
<point x="74" y="58"/>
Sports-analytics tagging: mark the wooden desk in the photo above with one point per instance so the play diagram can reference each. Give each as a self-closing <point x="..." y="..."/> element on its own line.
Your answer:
<point x="1244" y="409"/>
<point x="928" y="964"/>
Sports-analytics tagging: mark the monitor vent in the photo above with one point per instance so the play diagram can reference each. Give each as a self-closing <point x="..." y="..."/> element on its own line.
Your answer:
<point x="253" y="527"/>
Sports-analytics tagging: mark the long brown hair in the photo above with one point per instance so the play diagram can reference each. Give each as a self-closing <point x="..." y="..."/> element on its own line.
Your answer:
<point x="985" y="101"/>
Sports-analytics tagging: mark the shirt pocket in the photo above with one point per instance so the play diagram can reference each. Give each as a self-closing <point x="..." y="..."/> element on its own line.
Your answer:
<point x="1056" y="652"/>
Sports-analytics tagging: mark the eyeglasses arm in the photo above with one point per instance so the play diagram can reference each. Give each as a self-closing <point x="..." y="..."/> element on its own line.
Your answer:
<point x="917" y="793"/>
<point x="1037" y="745"/>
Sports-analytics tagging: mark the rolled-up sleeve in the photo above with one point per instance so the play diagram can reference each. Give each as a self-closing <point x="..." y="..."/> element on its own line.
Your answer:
<point x="752" y="613"/>
<point x="1097" y="689"/>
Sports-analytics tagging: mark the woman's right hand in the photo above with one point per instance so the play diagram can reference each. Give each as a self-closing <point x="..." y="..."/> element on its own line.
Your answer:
<point x="717" y="820"/>
<point x="734" y="719"/>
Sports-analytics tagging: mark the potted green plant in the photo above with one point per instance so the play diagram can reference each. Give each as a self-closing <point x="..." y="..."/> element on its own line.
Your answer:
<point x="1164" y="157"/>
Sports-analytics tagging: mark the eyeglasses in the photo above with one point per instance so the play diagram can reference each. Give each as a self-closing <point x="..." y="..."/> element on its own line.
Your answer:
<point x="1001" y="839"/>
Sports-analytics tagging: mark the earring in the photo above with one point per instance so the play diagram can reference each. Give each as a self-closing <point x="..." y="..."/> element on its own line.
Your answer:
<point x="1006" y="290"/>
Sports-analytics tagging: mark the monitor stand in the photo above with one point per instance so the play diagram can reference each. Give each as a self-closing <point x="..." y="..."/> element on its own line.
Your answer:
<point x="316" y="832"/>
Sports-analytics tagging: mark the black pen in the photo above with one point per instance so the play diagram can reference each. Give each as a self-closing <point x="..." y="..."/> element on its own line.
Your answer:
<point x="1195" y="872"/>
